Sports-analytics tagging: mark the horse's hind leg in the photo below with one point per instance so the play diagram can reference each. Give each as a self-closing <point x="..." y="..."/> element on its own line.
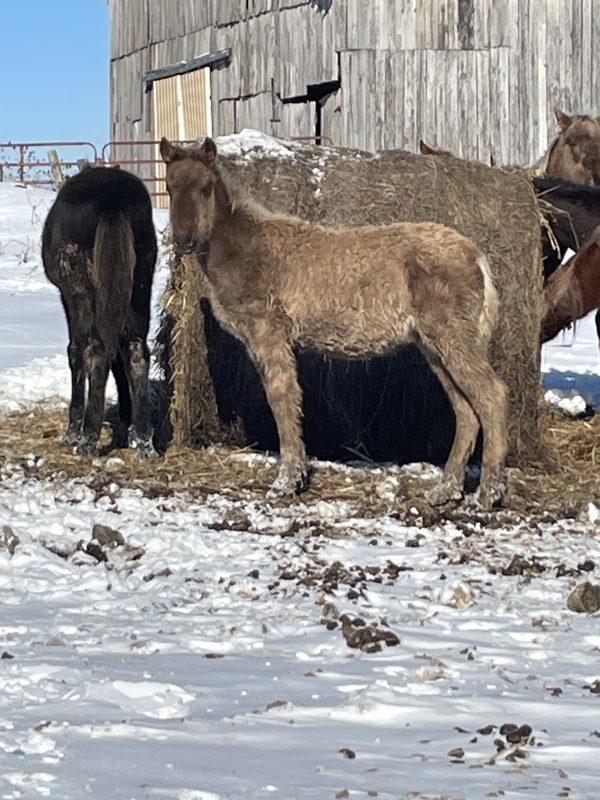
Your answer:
<point x="137" y="361"/>
<point x="124" y="400"/>
<point x="273" y="354"/>
<point x="77" y="404"/>
<point x="488" y="396"/>
<point x="97" y="366"/>
<point x="77" y="307"/>
<point x="467" y="365"/>
<point x="467" y="427"/>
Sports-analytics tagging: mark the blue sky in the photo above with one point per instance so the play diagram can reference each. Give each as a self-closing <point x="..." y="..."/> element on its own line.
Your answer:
<point x="54" y="62"/>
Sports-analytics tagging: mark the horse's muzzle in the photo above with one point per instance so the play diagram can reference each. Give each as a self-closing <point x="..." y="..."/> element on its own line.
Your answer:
<point x="187" y="246"/>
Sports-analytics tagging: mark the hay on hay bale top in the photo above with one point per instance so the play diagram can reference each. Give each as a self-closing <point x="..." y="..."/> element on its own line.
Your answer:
<point x="389" y="408"/>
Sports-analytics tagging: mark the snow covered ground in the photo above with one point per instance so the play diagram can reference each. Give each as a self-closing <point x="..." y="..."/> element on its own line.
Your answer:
<point x="170" y="655"/>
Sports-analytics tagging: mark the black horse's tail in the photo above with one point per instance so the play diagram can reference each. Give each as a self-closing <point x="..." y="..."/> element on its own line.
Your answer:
<point x="113" y="269"/>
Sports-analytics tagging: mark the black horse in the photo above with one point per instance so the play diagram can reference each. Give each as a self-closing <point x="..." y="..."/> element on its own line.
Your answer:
<point x="99" y="249"/>
<point x="573" y="213"/>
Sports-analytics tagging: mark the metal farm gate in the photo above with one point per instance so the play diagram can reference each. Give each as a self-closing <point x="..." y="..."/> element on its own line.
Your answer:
<point x="47" y="164"/>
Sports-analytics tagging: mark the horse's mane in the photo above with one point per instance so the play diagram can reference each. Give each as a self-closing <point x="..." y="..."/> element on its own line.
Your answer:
<point x="567" y="188"/>
<point x="243" y="203"/>
<point x="580" y="118"/>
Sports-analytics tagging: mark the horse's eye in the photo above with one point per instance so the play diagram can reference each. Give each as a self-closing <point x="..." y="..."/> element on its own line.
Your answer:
<point x="207" y="190"/>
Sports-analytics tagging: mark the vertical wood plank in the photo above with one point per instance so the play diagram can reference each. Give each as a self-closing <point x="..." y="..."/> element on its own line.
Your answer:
<point x="452" y="133"/>
<point x="585" y="49"/>
<point x="340" y="25"/>
<point x="594" y="66"/>
<point x="406" y="27"/>
<point x="480" y="119"/>
<point x="413" y="114"/>
<point x="538" y="111"/>
<point x="467" y="133"/>
<point x="481" y="24"/>
<point x="517" y="144"/>
<point x="432" y="121"/>
<point x="399" y="72"/>
<point x="451" y="11"/>
<point x="499" y="113"/>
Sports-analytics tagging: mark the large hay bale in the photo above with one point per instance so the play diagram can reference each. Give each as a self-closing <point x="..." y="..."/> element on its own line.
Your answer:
<point x="389" y="408"/>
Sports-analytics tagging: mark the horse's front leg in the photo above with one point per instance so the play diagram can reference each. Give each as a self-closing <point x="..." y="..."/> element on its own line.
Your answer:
<point x="273" y="354"/>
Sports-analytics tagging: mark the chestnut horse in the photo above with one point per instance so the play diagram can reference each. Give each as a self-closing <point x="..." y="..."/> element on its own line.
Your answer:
<point x="277" y="282"/>
<point x="575" y="153"/>
<point x="575" y="156"/>
<point x="573" y="290"/>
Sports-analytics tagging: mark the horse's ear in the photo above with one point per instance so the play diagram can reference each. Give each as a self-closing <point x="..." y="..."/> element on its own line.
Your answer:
<point x="167" y="150"/>
<point x="426" y="150"/>
<point x="209" y="151"/>
<point x="564" y="120"/>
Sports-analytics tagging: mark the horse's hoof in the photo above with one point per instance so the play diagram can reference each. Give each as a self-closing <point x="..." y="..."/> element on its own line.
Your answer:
<point x="87" y="447"/>
<point x="145" y="450"/>
<point x="71" y="437"/>
<point x="291" y="479"/>
<point x="143" y="444"/>
<point x="445" y="491"/>
<point x="489" y="495"/>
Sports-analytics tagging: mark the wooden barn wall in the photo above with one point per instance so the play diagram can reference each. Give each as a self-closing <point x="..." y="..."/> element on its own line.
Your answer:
<point x="478" y="77"/>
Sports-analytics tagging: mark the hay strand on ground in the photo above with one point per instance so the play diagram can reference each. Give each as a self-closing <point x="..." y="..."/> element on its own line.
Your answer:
<point x="29" y="444"/>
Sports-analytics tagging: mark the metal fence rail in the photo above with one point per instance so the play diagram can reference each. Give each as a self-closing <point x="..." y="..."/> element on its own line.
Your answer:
<point x="21" y="162"/>
<point x="31" y="163"/>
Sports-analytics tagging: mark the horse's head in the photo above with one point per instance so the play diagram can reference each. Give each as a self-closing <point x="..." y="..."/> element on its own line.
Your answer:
<point x="575" y="156"/>
<point x="191" y="177"/>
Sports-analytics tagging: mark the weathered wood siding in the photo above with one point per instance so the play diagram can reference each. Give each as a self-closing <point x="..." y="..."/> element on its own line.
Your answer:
<point x="478" y="77"/>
